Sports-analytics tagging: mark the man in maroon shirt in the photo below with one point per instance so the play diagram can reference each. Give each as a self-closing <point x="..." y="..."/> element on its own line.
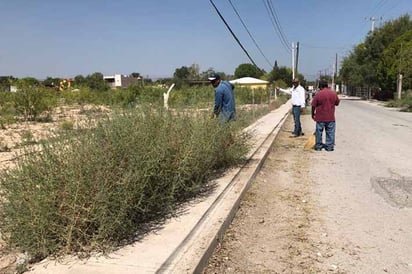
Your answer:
<point x="323" y="112"/>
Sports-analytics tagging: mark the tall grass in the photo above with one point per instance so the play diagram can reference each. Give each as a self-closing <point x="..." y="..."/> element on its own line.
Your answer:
<point x="204" y="96"/>
<point x="405" y="103"/>
<point x="98" y="188"/>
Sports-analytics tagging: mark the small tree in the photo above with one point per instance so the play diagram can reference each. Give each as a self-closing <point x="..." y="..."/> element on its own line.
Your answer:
<point x="248" y="70"/>
<point x="135" y="74"/>
<point x="280" y="73"/>
<point x="96" y="82"/>
<point x="31" y="99"/>
<point x="51" y="82"/>
<point x="182" y="73"/>
<point x="79" y="81"/>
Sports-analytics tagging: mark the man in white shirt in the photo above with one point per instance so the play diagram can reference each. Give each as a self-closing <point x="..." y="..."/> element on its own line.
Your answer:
<point x="298" y="104"/>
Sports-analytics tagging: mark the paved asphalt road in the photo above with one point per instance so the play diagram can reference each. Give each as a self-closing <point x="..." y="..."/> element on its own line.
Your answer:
<point x="365" y="189"/>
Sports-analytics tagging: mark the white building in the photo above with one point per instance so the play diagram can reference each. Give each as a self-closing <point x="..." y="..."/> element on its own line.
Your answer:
<point x="250" y="82"/>
<point x="120" y="81"/>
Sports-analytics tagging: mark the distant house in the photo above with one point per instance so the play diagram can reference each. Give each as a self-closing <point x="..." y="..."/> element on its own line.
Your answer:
<point x="250" y="82"/>
<point x="9" y="88"/>
<point x="121" y="81"/>
<point x="199" y="83"/>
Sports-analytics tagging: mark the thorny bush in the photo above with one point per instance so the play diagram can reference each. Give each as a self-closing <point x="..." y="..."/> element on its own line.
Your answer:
<point x="99" y="188"/>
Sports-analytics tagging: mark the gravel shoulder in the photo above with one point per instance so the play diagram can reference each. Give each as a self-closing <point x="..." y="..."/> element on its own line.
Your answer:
<point x="278" y="227"/>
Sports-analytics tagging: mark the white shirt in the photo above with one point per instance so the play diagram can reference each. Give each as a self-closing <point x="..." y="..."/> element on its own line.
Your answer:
<point x="298" y="95"/>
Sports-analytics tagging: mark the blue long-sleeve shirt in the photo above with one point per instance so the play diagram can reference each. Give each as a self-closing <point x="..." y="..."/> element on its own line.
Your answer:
<point x="225" y="101"/>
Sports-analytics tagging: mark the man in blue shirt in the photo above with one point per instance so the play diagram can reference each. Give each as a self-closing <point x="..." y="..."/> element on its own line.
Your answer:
<point x="224" y="99"/>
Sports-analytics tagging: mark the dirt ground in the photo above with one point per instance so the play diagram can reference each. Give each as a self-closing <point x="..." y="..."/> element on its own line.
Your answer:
<point x="277" y="228"/>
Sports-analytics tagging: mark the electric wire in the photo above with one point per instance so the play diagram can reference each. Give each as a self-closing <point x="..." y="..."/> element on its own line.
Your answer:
<point x="322" y="47"/>
<point x="273" y="9"/>
<point x="276" y="26"/>
<point x="250" y="35"/>
<point x="234" y="36"/>
<point x="379" y="5"/>
<point x="391" y="7"/>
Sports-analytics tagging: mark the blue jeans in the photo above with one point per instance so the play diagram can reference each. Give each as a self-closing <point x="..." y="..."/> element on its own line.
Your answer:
<point x="296" y="118"/>
<point x="330" y="135"/>
<point x="225" y="117"/>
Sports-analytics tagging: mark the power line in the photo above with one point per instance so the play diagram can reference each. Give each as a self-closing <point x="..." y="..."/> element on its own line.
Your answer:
<point x="379" y="5"/>
<point x="278" y="21"/>
<point x="286" y="46"/>
<point x="234" y="36"/>
<point x="276" y="25"/>
<point x="250" y="35"/>
<point x="323" y="47"/>
<point x="392" y="7"/>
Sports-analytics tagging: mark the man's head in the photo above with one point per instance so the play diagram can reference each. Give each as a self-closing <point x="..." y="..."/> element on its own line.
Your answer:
<point x="295" y="82"/>
<point x="214" y="79"/>
<point x="323" y="84"/>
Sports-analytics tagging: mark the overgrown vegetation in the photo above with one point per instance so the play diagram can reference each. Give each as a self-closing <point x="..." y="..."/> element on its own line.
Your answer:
<point x="32" y="102"/>
<point x="405" y="103"/>
<point x="99" y="188"/>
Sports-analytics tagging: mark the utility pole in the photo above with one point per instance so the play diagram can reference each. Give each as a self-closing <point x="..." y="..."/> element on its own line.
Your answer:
<point x="293" y="61"/>
<point x="297" y="58"/>
<point x="334" y="75"/>
<point x="373" y="20"/>
<point x="400" y="75"/>
<point x="400" y="87"/>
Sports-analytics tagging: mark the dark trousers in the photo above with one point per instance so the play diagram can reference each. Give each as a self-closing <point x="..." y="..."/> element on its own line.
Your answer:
<point x="296" y="118"/>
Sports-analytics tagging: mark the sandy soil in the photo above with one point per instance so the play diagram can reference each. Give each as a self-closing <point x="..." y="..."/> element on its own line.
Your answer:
<point x="14" y="136"/>
<point x="277" y="228"/>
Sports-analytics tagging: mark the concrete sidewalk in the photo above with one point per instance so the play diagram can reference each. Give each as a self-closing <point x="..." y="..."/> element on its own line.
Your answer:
<point x="185" y="243"/>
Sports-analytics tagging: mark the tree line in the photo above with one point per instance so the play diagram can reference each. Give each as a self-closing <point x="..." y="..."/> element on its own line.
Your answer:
<point x="385" y="53"/>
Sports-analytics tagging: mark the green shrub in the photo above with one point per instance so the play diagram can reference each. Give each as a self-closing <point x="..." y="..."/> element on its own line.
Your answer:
<point x="27" y="138"/>
<point x="66" y="125"/>
<point x="204" y="96"/>
<point x="7" y="110"/>
<point x="405" y="103"/>
<point x="191" y="97"/>
<point x="98" y="188"/>
<point x="6" y="119"/>
<point x="32" y="100"/>
<point x="249" y="96"/>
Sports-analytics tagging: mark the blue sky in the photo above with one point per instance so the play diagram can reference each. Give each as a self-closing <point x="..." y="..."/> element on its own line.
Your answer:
<point x="41" y="38"/>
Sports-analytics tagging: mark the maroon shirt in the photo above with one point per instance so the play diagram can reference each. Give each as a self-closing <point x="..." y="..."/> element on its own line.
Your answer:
<point x="324" y="103"/>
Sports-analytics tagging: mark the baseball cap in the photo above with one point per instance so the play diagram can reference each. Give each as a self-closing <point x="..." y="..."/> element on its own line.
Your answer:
<point x="213" y="76"/>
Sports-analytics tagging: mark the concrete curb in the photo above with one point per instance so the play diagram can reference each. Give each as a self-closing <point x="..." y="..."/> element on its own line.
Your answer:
<point x="185" y="243"/>
<point x="193" y="255"/>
